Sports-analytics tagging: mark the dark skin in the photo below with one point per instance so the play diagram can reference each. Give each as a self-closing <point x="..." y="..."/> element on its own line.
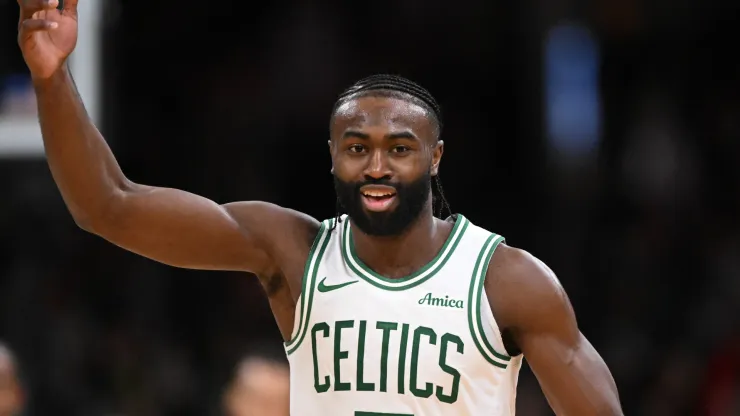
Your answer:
<point x="371" y="137"/>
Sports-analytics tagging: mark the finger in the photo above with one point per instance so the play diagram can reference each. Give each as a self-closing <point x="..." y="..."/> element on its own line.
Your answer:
<point x="29" y="7"/>
<point x="36" y="25"/>
<point x="70" y="5"/>
<point x="36" y="5"/>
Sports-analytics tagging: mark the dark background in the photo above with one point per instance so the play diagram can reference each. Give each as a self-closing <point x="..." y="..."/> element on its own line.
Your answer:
<point x="631" y="196"/>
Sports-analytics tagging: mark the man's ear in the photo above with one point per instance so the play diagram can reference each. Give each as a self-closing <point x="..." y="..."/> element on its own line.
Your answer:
<point x="439" y="149"/>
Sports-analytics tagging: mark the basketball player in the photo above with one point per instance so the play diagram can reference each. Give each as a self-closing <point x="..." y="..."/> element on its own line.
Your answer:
<point x="11" y="393"/>
<point x="385" y="310"/>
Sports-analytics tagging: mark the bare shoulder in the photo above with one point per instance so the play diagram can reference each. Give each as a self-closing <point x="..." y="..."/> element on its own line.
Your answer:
<point x="523" y="290"/>
<point x="534" y="313"/>
<point x="286" y="234"/>
<point x="274" y="222"/>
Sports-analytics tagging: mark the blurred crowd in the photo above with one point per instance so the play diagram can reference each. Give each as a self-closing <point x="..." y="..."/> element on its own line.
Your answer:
<point x="259" y="386"/>
<point x="643" y="230"/>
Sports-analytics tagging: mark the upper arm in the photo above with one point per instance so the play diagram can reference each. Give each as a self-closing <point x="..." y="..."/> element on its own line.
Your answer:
<point x="529" y="302"/>
<point x="186" y="230"/>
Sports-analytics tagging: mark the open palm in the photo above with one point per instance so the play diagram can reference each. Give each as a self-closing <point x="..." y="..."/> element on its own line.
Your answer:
<point x="46" y="35"/>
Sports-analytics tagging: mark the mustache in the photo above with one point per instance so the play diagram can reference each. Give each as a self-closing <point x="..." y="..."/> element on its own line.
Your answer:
<point x="376" y="181"/>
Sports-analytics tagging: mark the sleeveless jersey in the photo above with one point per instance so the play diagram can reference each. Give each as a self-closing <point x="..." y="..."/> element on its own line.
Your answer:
<point x="423" y="345"/>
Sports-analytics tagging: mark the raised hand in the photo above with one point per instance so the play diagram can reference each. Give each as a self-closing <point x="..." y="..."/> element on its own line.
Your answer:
<point x="46" y="35"/>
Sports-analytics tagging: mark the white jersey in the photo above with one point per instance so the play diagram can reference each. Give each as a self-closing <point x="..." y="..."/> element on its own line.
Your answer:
<point x="423" y="345"/>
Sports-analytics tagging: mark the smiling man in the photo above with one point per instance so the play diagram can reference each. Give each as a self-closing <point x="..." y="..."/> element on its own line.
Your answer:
<point x="385" y="309"/>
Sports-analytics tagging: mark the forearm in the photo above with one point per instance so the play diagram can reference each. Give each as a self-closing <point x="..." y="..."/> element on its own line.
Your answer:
<point x="80" y="160"/>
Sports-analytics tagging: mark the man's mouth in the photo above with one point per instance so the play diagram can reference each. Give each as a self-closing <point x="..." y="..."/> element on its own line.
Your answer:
<point x="378" y="198"/>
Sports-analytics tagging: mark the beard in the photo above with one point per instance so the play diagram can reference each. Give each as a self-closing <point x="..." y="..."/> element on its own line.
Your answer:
<point x="411" y="199"/>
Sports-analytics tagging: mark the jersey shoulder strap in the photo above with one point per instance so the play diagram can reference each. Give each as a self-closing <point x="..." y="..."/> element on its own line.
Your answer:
<point x="310" y="275"/>
<point x="484" y="330"/>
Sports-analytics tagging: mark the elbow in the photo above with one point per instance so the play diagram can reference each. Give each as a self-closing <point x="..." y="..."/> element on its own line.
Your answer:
<point x="81" y="215"/>
<point x="97" y="218"/>
<point x="87" y="220"/>
<point x="83" y="223"/>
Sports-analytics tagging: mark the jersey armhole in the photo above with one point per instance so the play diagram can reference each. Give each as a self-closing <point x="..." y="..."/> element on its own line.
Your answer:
<point x="483" y="328"/>
<point x="305" y="299"/>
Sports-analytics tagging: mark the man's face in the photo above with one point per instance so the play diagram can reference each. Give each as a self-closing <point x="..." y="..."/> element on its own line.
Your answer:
<point x="384" y="153"/>
<point x="11" y="399"/>
<point x="261" y="388"/>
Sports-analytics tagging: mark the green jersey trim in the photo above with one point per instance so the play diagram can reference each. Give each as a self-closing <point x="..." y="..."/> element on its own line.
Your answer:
<point x="310" y="271"/>
<point x="474" y="304"/>
<point x="420" y="276"/>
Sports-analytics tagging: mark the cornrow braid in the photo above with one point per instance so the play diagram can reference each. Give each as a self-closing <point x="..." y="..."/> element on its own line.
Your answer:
<point x="395" y="85"/>
<point x="442" y="203"/>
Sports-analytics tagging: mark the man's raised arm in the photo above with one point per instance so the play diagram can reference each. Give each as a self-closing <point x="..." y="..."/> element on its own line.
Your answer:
<point x="166" y="225"/>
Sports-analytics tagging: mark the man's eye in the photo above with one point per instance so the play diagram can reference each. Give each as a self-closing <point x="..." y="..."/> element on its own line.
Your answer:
<point x="356" y="148"/>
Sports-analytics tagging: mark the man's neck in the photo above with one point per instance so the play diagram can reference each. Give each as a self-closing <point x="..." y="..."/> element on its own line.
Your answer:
<point x="401" y="255"/>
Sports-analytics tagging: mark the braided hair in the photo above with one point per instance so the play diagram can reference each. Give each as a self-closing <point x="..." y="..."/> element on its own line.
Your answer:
<point x="385" y="85"/>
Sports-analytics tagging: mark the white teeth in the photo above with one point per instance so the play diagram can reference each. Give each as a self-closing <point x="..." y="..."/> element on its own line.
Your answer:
<point x="377" y="194"/>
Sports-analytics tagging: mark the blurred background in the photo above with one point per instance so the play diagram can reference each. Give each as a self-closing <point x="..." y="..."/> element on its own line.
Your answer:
<point x="605" y="135"/>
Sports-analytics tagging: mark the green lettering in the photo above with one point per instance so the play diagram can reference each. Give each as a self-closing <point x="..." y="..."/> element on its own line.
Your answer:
<point x="386" y="327"/>
<point x="361" y="384"/>
<point x="340" y="355"/>
<point x="444" y="302"/>
<point x="428" y="387"/>
<point x="320" y="387"/>
<point x="452" y="339"/>
<point x="402" y="359"/>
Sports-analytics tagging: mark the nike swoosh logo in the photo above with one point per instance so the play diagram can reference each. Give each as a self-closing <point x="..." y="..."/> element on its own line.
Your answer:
<point x="323" y="287"/>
